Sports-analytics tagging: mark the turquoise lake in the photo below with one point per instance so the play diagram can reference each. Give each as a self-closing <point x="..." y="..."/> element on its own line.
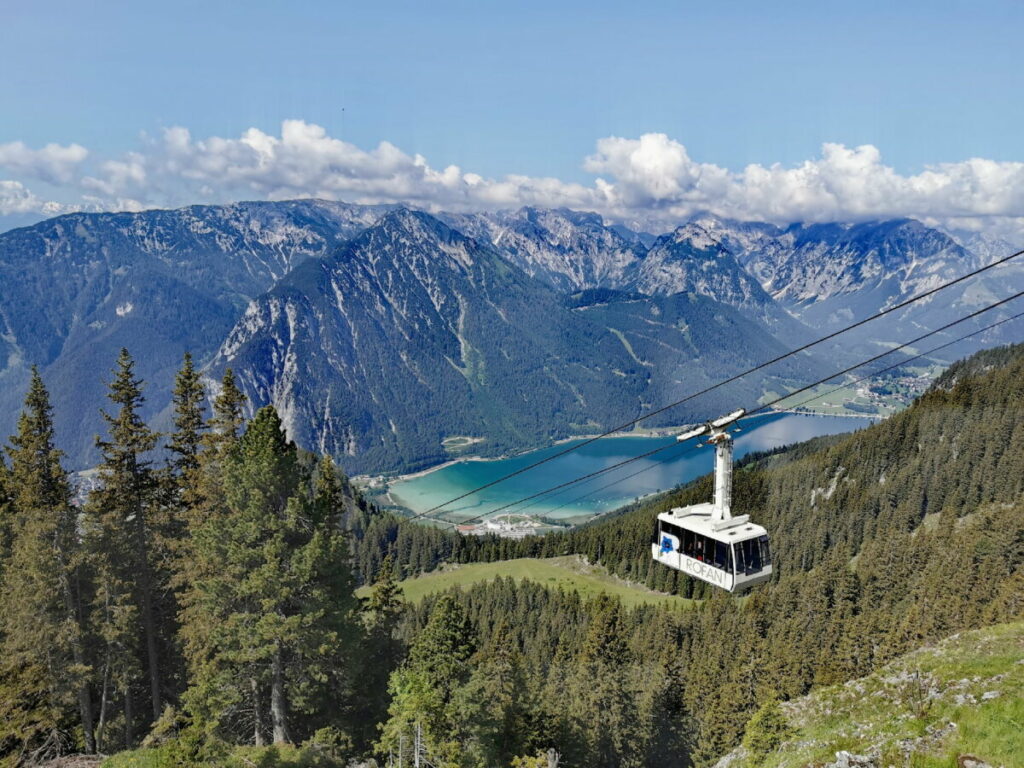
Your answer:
<point x="678" y="463"/>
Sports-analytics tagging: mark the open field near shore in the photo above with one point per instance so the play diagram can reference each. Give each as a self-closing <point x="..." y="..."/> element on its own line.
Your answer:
<point x="569" y="573"/>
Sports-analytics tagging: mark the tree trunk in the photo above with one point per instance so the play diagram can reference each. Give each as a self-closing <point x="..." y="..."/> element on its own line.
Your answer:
<point x="104" y="698"/>
<point x="129" y="715"/>
<point x="84" y="699"/>
<point x="257" y="713"/>
<point x="277" y="700"/>
<point x="105" y="689"/>
<point x="148" y="619"/>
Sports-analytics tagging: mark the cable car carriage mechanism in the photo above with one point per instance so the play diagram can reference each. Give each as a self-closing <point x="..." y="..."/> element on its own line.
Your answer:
<point x="705" y="541"/>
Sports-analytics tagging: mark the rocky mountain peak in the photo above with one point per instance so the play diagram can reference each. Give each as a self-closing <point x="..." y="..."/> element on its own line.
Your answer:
<point x="698" y="238"/>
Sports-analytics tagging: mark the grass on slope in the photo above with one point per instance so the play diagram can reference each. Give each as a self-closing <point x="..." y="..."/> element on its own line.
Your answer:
<point x="962" y="696"/>
<point x="569" y="573"/>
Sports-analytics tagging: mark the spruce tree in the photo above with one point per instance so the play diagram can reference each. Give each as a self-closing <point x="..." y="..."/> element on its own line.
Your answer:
<point x="424" y="689"/>
<point x="268" y="620"/>
<point x="495" y="704"/>
<point x="186" y="441"/>
<point x="766" y="731"/>
<point x="382" y="651"/>
<point x="218" y="441"/>
<point x="603" y="707"/>
<point x="228" y="410"/>
<point x="122" y="513"/>
<point x="45" y="675"/>
<point x="6" y="513"/>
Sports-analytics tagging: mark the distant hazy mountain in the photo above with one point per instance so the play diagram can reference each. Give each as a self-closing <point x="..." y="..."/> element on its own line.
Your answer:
<point x="569" y="250"/>
<point x="75" y="289"/>
<point x="693" y="259"/>
<point x="516" y="325"/>
<point x="413" y="332"/>
<point x="829" y="275"/>
<point x="573" y="251"/>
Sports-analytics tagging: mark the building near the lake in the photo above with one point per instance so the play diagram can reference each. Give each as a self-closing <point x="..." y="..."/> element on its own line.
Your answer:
<point x="506" y="526"/>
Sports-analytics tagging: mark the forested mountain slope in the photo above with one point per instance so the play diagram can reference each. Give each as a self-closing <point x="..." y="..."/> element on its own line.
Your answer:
<point x="957" y="448"/>
<point x="945" y="704"/>
<point x="413" y="333"/>
<point x="885" y="540"/>
<point x="77" y="288"/>
<point x="209" y="602"/>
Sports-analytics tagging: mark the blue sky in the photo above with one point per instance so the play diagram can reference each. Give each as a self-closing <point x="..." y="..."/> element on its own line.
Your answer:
<point x="519" y="87"/>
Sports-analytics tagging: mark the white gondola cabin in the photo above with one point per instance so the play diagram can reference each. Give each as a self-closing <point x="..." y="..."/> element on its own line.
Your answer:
<point x="705" y="541"/>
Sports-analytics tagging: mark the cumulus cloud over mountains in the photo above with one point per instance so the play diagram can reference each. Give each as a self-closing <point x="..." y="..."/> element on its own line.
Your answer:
<point x="650" y="180"/>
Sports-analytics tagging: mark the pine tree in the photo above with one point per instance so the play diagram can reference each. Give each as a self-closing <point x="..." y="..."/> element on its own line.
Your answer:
<point x="424" y="689"/>
<point x="766" y="730"/>
<point x="6" y="513"/>
<point x="382" y="651"/>
<point x="603" y="707"/>
<point x="495" y="704"/>
<point x="268" y="620"/>
<point x="121" y="514"/>
<point x="186" y="440"/>
<point x="45" y="675"/>
<point x="228" y="410"/>
<point x="218" y="441"/>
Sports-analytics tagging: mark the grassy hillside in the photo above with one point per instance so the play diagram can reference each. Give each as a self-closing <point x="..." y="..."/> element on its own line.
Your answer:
<point x="569" y="573"/>
<point x="964" y="695"/>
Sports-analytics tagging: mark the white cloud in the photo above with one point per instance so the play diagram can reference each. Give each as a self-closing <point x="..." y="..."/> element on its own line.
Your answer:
<point x="16" y="199"/>
<point x="650" y="180"/>
<point x="53" y="163"/>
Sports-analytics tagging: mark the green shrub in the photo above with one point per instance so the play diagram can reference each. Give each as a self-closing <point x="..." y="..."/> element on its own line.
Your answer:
<point x="164" y="756"/>
<point x="766" y="730"/>
<point x="171" y="755"/>
<point x="284" y="756"/>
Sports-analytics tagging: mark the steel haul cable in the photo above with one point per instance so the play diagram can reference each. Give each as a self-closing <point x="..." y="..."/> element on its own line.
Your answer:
<point x="694" y="449"/>
<point x="751" y="412"/>
<point x="736" y="377"/>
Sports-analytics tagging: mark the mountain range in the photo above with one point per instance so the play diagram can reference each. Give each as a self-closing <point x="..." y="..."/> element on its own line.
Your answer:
<point x="380" y="331"/>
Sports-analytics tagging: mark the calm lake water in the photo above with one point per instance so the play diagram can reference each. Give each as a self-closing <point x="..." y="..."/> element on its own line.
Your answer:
<point x="678" y="463"/>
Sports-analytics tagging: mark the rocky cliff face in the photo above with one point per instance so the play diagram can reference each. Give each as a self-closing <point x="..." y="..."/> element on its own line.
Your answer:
<point x="75" y="289"/>
<point x="414" y="332"/>
<point x="569" y="250"/>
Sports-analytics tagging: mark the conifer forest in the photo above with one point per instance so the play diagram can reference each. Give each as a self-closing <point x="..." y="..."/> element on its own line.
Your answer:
<point x="197" y="605"/>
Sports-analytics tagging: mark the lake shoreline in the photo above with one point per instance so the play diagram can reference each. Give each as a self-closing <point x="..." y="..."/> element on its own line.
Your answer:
<point x="643" y="432"/>
<point x="654" y="432"/>
<point x="425" y="489"/>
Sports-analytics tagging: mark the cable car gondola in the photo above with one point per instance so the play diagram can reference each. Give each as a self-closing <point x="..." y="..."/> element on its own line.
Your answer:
<point x="705" y="541"/>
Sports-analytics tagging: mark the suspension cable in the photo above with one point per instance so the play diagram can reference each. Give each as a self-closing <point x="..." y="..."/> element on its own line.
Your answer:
<point x="731" y="379"/>
<point x="812" y="398"/>
<point x="752" y="411"/>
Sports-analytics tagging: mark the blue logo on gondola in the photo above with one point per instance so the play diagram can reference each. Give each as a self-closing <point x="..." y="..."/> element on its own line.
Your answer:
<point x="666" y="544"/>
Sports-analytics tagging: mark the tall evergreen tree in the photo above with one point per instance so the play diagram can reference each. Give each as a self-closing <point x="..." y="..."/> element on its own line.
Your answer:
<point x="383" y="651"/>
<point x="603" y="707"/>
<point x="122" y="515"/>
<point x="44" y="675"/>
<point x="228" y="410"/>
<point x="218" y="441"/>
<point x="269" y="617"/>
<point x="495" y="704"/>
<point x="424" y="689"/>
<point x="186" y="440"/>
<point x="6" y="513"/>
